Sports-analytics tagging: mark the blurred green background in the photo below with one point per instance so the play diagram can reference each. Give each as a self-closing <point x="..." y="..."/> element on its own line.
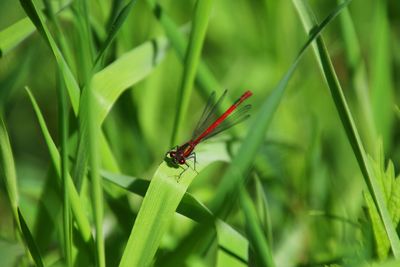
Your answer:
<point x="306" y="168"/>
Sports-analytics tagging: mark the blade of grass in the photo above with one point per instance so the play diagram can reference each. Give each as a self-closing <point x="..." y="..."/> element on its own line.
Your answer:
<point x="343" y="110"/>
<point x="166" y="190"/>
<point x="109" y="83"/>
<point x="76" y="205"/>
<point x="9" y="172"/>
<point x="247" y="152"/>
<point x="254" y="231"/>
<point x="14" y="35"/>
<point x="189" y="205"/>
<point x="63" y="132"/>
<point x="96" y="183"/>
<point x="30" y="242"/>
<point x="201" y="16"/>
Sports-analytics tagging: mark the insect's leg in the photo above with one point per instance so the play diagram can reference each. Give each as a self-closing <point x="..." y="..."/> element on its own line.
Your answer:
<point x="184" y="169"/>
<point x="193" y="156"/>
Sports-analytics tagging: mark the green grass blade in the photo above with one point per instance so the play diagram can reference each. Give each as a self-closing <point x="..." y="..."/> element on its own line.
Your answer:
<point x="37" y="18"/>
<point x="14" y="35"/>
<point x="109" y="83"/>
<point x="349" y="127"/>
<point x="30" y="242"/>
<point x="63" y="130"/>
<point x="76" y="205"/>
<point x="8" y="168"/>
<point x="159" y="205"/>
<point x="189" y="205"/>
<point x="96" y="183"/>
<point x="202" y="12"/>
<point x="254" y="231"/>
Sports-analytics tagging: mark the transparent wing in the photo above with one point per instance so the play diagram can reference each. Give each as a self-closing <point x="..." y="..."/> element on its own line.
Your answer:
<point x="236" y="117"/>
<point x="209" y="114"/>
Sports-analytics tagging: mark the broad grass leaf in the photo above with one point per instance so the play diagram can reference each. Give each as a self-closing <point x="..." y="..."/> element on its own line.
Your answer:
<point x="163" y="196"/>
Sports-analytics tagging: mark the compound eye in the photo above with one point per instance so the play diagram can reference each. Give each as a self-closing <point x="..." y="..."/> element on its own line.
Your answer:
<point x="172" y="154"/>
<point x="182" y="161"/>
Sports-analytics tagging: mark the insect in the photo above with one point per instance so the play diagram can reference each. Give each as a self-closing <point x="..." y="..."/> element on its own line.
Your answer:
<point x="210" y="124"/>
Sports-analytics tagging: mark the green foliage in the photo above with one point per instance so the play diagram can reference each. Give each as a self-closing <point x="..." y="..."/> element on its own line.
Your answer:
<point x="111" y="83"/>
<point x="390" y="185"/>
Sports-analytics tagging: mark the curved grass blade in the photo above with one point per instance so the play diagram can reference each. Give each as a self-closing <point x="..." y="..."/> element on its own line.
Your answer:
<point x="189" y="205"/>
<point x="30" y="242"/>
<point x="109" y="83"/>
<point x="15" y="34"/>
<point x="350" y="128"/>
<point x="167" y="187"/>
<point x="201" y="15"/>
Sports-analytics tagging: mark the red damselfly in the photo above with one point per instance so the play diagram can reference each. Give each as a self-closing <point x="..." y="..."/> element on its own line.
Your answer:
<point x="211" y="124"/>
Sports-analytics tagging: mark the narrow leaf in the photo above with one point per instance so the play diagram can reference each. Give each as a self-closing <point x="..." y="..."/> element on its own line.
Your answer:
<point x="30" y="242"/>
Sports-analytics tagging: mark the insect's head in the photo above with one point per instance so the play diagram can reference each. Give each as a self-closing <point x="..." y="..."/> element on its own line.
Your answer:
<point x="176" y="157"/>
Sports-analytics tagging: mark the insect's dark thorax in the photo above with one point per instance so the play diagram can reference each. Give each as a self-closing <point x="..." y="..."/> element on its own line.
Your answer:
<point x="186" y="149"/>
